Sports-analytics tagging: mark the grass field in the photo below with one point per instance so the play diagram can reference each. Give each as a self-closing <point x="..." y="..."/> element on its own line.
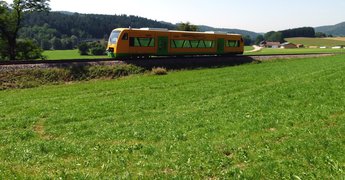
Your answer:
<point x="294" y="51"/>
<point x="274" y="120"/>
<point x="316" y="41"/>
<point x="68" y="54"/>
<point x="248" y="48"/>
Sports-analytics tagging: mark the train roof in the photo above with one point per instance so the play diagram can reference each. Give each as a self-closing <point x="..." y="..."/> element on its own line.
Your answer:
<point x="167" y="30"/>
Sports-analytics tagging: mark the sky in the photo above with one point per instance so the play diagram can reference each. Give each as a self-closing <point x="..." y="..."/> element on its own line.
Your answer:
<point x="253" y="15"/>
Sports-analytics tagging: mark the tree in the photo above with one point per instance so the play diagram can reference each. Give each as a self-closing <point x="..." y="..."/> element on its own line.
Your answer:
<point x="11" y="20"/>
<point x="247" y="40"/>
<point x="187" y="27"/>
<point x="274" y="36"/>
<point x="259" y="39"/>
<point x="46" y="44"/>
<point x="320" y="35"/>
<point x="56" y="43"/>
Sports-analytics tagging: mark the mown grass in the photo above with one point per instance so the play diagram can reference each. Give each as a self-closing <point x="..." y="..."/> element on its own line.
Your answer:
<point x="68" y="54"/>
<point x="316" y="41"/>
<point x="248" y="48"/>
<point x="274" y="120"/>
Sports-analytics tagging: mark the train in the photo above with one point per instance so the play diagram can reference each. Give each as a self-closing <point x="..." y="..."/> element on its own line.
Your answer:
<point x="149" y="42"/>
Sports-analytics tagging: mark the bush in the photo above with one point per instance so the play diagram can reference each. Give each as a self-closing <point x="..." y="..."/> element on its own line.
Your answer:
<point x="28" y="50"/>
<point x="83" y="48"/>
<point x="99" y="50"/>
<point x="159" y="71"/>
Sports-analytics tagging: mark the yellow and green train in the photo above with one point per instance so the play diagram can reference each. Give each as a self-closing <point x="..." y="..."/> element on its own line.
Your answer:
<point x="145" y="42"/>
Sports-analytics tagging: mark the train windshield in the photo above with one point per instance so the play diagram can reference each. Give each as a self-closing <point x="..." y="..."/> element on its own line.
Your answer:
<point x="114" y="37"/>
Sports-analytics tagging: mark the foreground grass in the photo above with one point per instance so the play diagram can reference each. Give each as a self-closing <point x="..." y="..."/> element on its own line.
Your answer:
<point x="282" y="119"/>
<point x="68" y="54"/>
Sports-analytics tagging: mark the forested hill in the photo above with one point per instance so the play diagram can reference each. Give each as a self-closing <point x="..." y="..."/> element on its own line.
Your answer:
<point x="336" y="30"/>
<point x="88" y="25"/>
<point x="99" y="26"/>
<point x="253" y="35"/>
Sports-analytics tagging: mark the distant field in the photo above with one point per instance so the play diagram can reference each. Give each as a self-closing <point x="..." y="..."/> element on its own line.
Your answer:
<point x="295" y="51"/>
<point x="337" y="38"/>
<point x="68" y="54"/>
<point x="273" y="120"/>
<point x="316" y="41"/>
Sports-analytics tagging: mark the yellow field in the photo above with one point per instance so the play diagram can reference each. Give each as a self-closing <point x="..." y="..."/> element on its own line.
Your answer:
<point x="337" y="38"/>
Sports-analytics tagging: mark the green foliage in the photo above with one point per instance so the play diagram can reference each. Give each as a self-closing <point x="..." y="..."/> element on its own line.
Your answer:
<point x="320" y="35"/>
<point x="259" y="39"/>
<point x="274" y="36"/>
<point x="28" y="78"/>
<point x="28" y="50"/>
<point x="83" y="48"/>
<point x="297" y="32"/>
<point x="56" y="43"/>
<point x="187" y="27"/>
<point x="247" y="40"/>
<point x="97" y="48"/>
<point x="86" y="26"/>
<point x="11" y="20"/>
<point x="273" y="120"/>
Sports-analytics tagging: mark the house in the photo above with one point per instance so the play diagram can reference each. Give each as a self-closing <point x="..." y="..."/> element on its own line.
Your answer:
<point x="300" y="45"/>
<point x="268" y="44"/>
<point x="288" y="45"/>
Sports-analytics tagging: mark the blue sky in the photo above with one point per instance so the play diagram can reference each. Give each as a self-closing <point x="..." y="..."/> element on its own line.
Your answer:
<point x="254" y="15"/>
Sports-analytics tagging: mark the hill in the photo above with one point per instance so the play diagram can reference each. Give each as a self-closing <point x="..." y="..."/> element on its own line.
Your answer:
<point x="88" y="25"/>
<point x="336" y="30"/>
<point x="99" y="26"/>
<point x="252" y="34"/>
<point x="316" y="41"/>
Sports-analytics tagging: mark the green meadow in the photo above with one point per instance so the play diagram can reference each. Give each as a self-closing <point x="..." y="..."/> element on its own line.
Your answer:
<point x="68" y="54"/>
<point x="280" y="119"/>
<point x="268" y="51"/>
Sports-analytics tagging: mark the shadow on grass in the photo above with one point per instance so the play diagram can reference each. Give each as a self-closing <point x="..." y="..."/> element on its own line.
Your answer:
<point x="192" y="62"/>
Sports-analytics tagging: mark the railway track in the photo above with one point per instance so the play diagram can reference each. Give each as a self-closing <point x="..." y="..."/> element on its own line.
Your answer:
<point x="168" y="62"/>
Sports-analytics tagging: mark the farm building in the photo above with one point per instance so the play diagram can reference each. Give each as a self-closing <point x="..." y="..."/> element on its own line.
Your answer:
<point x="288" y="45"/>
<point x="268" y="44"/>
<point x="300" y="45"/>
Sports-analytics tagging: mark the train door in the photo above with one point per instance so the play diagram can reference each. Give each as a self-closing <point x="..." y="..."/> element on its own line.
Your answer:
<point x="220" y="46"/>
<point x="163" y="42"/>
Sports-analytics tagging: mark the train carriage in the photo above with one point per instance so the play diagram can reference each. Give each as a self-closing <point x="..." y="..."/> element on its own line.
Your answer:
<point x="127" y="42"/>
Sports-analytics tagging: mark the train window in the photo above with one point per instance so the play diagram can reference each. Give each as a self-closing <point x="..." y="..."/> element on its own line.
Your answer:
<point x="233" y="43"/>
<point x="186" y="44"/>
<point x="191" y="44"/>
<point x="202" y="44"/>
<point x="209" y="44"/>
<point x="177" y="43"/>
<point x="194" y="43"/>
<point x="114" y="37"/>
<point x="141" y="42"/>
<point x="125" y="36"/>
